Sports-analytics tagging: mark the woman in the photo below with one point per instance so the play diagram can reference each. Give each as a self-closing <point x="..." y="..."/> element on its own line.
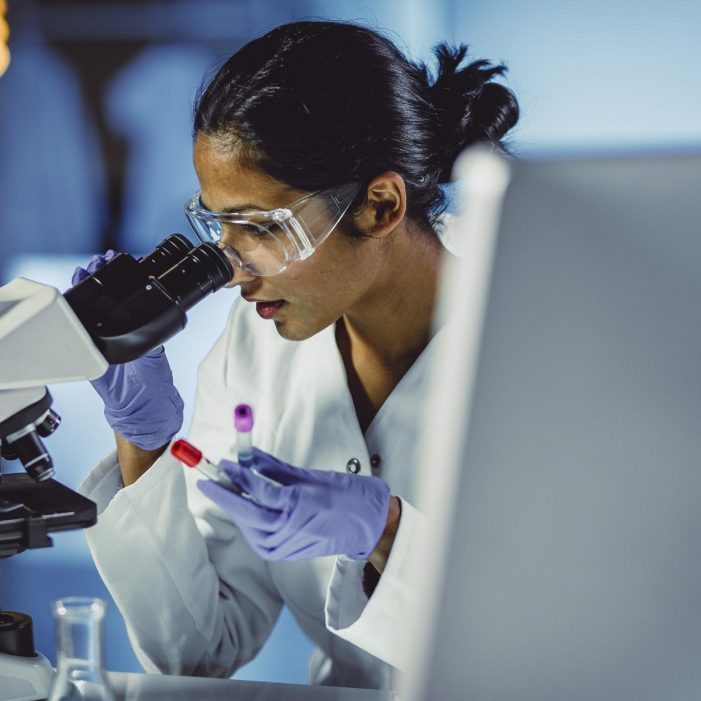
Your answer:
<point x="320" y="151"/>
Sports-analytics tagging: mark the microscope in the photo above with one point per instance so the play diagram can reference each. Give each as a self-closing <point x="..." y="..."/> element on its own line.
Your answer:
<point x="117" y="314"/>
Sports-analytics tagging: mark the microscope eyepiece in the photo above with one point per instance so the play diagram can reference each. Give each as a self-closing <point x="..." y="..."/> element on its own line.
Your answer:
<point x="167" y="254"/>
<point x="131" y="306"/>
<point x="205" y="269"/>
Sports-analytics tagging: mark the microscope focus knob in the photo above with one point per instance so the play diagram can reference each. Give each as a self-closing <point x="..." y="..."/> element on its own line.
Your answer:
<point x="16" y="634"/>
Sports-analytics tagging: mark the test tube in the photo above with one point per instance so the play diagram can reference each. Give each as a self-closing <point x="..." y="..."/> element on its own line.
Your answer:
<point x="193" y="457"/>
<point x="243" y="423"/>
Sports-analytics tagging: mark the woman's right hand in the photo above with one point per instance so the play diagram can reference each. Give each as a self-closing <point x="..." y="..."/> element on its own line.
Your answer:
<point x="141" y="401"/>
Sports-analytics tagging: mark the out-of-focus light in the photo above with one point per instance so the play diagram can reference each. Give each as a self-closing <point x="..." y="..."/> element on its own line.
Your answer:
<point x="4" y="36"/>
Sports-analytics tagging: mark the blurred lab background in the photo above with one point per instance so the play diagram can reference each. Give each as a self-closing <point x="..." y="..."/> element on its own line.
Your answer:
<point x="95" y="140"/>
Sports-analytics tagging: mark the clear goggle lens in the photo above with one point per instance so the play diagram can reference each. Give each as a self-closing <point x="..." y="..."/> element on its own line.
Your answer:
<point x="265" y="243"/>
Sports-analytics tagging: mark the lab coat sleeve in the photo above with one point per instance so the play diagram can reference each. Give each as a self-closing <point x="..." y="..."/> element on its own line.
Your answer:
<point x="195" y="598"/>
<point x="378" y="624"/>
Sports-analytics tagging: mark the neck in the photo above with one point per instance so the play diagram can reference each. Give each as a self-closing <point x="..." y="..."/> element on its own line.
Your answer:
<point x="392" y="323"/>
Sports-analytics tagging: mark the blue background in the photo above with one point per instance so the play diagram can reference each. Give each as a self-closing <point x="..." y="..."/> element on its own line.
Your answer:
<point x="95" y="152"/>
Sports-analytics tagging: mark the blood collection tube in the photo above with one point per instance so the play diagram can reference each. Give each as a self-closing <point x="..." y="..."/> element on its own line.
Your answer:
<point x="193" y="457"/>
<point x="243" y="423"/>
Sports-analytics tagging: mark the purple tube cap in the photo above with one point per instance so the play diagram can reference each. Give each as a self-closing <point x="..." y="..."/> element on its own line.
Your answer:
<point x="243" y="418"/>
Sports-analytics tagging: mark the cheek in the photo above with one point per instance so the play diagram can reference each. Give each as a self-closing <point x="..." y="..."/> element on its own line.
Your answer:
<point x="323" y="284"/>
<point x="311" y="287"/>
<point x="331" y="279"/>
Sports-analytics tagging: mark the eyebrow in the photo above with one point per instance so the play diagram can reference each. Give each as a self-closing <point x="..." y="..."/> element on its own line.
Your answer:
<point x="238" y="209"/>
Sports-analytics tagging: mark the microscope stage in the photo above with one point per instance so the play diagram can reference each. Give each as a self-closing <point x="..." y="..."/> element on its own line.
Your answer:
<point x="29" y="511"/>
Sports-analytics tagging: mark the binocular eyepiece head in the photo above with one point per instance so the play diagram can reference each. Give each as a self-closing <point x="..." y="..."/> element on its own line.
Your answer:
<point x="128" y="307"/>
<point x="131" y="306"/>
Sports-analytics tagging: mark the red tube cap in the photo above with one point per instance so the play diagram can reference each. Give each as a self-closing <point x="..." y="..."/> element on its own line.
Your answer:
<point x="186" y="452"/>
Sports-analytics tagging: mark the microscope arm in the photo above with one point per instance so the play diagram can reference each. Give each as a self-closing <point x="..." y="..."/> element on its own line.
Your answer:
<point x="115" y="315"/>
<point x="42" y="342"/>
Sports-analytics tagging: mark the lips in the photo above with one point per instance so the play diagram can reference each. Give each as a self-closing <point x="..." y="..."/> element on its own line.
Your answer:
<point x="268" y="309"/>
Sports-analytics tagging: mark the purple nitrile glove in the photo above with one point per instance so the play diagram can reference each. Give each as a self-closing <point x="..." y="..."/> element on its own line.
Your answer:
<point x="141" y="402"/>
<point x="314" y="513"/>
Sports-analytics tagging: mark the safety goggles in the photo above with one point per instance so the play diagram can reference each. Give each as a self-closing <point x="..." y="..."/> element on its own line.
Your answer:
<point x="265" y="243"/>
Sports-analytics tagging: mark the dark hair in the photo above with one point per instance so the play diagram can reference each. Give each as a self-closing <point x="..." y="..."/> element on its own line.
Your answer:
<point x="317" y="104"/>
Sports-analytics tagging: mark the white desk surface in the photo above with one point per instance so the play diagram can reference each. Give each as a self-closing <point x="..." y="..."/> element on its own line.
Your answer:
<point x="154" y="687"/>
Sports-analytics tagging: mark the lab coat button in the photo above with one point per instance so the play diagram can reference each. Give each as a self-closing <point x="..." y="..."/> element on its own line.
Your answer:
<point x="353" y="466"/>
<point x="375" y="462"/>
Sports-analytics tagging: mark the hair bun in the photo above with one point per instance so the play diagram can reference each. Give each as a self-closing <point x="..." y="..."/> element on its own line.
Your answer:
<point x="469" y="107"/>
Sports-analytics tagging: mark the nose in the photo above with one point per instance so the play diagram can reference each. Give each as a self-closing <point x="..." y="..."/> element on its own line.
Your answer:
<point x="240" y="277"/>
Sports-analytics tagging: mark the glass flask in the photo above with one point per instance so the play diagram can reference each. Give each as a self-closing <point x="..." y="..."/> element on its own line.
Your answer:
<point x="80" y="673"/>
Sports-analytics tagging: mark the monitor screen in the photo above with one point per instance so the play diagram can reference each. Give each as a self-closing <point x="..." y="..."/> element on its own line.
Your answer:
<point x="561" y="452"/>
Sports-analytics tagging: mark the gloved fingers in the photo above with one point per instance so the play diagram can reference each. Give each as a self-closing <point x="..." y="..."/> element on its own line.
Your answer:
<point x="298" y="528"/>
<point x="159" y="435"/>
<point x="264" y="492"/>
<point x="312" y="538"/>
<point x="256" y="539"/>
<point x="267" y="547"/>
<point x="153" y="359"/>
<point x="260" y="541"/>
<point x="235" y="470"/>
<point x="287" y="474"/>
<point x="274" y="497"/>
<point x="108" y="386"/>
<point x="157" y="352"/>
<point x="100" y="260"/>
<point x="276" y="469"/>
<point x="241" y="511"/>
<point x="94" y="264"/>
<point x="79" y="274"/>
<point x="295" y="550"/>
<point x="142" y="405"/>
<point x="154" y="362"/>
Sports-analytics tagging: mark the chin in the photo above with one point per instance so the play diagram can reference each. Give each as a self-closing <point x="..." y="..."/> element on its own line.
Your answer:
<point x="296" y="332"/>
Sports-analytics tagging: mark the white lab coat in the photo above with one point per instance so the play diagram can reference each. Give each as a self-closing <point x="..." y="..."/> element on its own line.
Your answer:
<point x="196" y="599"/>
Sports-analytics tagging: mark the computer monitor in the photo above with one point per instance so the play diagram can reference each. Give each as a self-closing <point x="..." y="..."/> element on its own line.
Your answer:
<point x="561" y="453"/>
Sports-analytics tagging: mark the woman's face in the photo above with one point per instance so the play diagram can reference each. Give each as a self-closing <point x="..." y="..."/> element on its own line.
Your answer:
<point x="337" y="278"/>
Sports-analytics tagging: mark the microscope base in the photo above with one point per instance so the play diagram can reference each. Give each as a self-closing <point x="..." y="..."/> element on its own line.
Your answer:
<point x="24" y="678"/>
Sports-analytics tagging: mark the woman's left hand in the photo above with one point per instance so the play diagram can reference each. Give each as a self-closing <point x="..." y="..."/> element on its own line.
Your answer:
<point x="313" y="513"/>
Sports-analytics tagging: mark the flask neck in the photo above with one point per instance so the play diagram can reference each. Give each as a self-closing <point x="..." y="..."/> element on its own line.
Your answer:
<point x="80" y="673"/>
<point x="79" y="641"/>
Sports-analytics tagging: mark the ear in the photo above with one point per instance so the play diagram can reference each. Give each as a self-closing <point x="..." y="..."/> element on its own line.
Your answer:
<point x="385" y="205"/>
